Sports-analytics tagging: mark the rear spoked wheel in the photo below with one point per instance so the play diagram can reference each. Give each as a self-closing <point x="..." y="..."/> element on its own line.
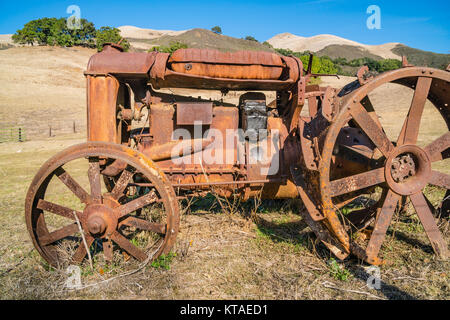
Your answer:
<point x="70" y="211"/>
<point x="401" y="169"/>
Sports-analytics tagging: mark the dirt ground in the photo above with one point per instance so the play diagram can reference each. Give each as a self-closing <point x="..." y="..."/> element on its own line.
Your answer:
<point x="220" y="253"/>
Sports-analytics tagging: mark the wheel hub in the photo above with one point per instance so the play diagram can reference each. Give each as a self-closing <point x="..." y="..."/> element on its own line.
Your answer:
<point x="100" y="220"/>
<point x="407" y="169"/>
<point x="403" y="167"/>
<point x="96" y="225"/>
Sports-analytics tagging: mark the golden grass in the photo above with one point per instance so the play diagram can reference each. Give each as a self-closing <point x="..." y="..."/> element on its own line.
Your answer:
<point x="218" y="255"/>
<point x="270" y="255"/>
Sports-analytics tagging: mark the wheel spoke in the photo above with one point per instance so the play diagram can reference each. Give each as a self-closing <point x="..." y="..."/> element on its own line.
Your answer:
<point x="81" y="252"/>
<point x="136" y="204"/>
<point x="114" y="168"/>
<point x="361" y="218"/>
<point x="410" y="129"/>
<point x="382" y="223"/>
<point x="59" y="234"/>
<point x="444" y="207"/>
<point x="440" y="179"/>
<point x="108" y="250"/>
<point x="94" y="180"/>
<point x="371" y="128"/>
<point x="367" y="104"/>
<point x="144" y="225"/>
<point x="426" y="217"/>
<point x="67" y="179"/>
<point x="121" y="184"/>
<point x="57" y="209"/>
<point x="130" y="248"/>
<point x="354" y="154"/>
<point x="439" y="149"/>
<point x="356" y="182"/>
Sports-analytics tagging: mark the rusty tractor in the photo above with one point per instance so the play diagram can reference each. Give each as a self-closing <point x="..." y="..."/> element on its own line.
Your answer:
<point x="148" y="148"/>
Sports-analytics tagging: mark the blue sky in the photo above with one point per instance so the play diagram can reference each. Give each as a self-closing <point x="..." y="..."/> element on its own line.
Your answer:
<point x="419" y="24"/>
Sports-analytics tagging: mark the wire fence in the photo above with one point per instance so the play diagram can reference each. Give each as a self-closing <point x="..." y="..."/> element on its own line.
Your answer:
<point x="32" y="131"/>
<point x="12" y="134"/>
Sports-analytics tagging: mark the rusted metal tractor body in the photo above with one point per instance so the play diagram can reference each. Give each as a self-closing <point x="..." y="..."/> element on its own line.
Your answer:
<point x="110" y="74"/>
<point x="327" y="158"/>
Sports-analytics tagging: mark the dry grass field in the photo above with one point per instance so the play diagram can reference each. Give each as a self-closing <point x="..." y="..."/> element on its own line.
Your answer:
<point x="249" y="251"/>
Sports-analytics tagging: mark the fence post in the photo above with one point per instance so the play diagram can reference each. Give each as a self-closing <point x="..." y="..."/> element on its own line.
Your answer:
<point x="49" y="130"/>
<point x="20" y="134"/>
<point x="74" y="131"/>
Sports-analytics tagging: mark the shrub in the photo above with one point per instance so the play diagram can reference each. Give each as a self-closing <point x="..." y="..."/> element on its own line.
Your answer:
<point x="250" y="38"/>
<point x="109" y="34"/>
<point x="173" y="46"/>
<point x="389" y="64"/>
<point x="217" y="30"/>
<point x="374" y="65"/>
<point x="53" y="31"/>
<point x="265" y="43"/>
<point x="284" y="52"/>
<point x="319" y="65"/>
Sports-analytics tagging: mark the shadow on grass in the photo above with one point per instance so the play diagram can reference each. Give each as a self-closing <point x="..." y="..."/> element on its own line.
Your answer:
<point x="391" y="292"/>
<point x="291" y="232"/>
<point x="210" y="204"/>
<point x="202" y="205"/>
<point x="295" y="233"/>
<point x="402" y="236"/>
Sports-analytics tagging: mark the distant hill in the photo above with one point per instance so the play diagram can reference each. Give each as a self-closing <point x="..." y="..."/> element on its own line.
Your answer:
<point x="423" y="58"/>
<point x="335" y="51"/>
<point x="322" y="41"/>
<point x="138" y="37"/>
<point x="337" y="47"/>
<point x="299" y="44"/>
<point x="322" y="45"/>
<point x="141" y="33"/>
<point x="199" y="38"/>
<point x="6" y="41"/>
<point x="415" y="56"/>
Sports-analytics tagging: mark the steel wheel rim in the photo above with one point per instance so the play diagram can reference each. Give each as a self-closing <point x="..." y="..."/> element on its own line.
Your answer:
<point x="145" y="166"/>
<point x="347" y="113"/>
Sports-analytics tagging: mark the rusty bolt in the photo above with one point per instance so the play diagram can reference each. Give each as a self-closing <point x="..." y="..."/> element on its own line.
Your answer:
<point x="96" y="225"/>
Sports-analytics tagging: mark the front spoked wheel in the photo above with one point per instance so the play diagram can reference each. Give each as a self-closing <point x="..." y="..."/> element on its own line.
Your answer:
<point x="70" y="212"/>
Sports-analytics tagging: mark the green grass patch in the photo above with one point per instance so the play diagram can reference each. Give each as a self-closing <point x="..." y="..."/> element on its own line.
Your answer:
<point x="164" y="261"/>
<point x="338" y="271"/>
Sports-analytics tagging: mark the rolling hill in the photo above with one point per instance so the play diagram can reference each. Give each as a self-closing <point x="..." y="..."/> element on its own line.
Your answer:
<point x="141" y="33"/>
<point x="194" y="38"/>
<point x="322" y="45"/>
<point x="323" y="41"/>
<point x="349" y="52"/>
<point x="6" y="41"/>
<point x="423" y="58"/>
